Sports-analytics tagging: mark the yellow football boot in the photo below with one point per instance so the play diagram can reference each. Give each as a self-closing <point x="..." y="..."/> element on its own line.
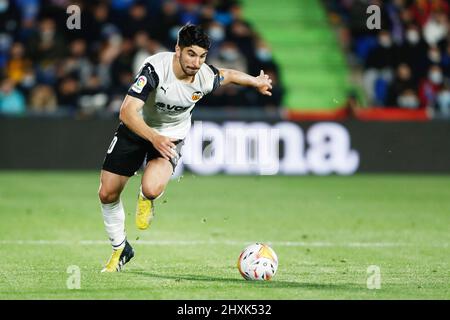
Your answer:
<point x="119" y="258"/>
<point x="144" y="212"/>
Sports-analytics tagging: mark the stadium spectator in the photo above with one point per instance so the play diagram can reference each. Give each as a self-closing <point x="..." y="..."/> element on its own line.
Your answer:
<point x="216" y="32"/>
<point x="77" y="63"/>
<point x="406" y="14"/>
<point x="9" y="19"/>
<point x="165" y="32"/>
<point x="230" y="57"/>
<point x="414" y="40"/>
<point x="408" y="99"/>
<point x="443" y="101"/>
<point x="403" y="82"/>
<point x="67" y="92"/>
<point x="363" y="37"/>
<point x="43" y="99"/>
<point x="436" y="28"/>
<point x="137" y="20"/>
<point x="243" y="36"/>
<point x="100" y="25"/>
<point x="108" y="53"/>
<point x="412" y="51"/>
<point x="225" y="10"/>
<point x="121" y="5"/>
<point x="352" y="104"/>
<point x="207" y="14"/>
<point x="383" y="55"/>
<point x="12" y="102"/>
<point x="28" y="82"/>
<point x="423" y="9"/>
<point x="446" y="61"/>
<point x="263" y="59"/>
<point x="18" y="65"/>
<point x="46" y="47"/>
<point x="430" y="87"/>
<point x="91" y="102"/>
<point x="29" y="8"/>
<point x="189" y="11"/>
<point x="124" y="60"/>
<point x="433" y="56"/>
<point x="38" y="54"/>
<point x="379" y="65"/>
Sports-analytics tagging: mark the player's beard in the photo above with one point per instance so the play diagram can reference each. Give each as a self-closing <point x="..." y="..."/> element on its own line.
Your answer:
<point x="186" y="70"/>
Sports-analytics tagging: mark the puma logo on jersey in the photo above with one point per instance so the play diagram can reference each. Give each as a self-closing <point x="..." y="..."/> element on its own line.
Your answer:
<point x="164" y="89"/>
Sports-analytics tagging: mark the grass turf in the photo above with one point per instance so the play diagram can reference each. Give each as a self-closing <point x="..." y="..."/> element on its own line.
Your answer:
<point x="326" y="231"/>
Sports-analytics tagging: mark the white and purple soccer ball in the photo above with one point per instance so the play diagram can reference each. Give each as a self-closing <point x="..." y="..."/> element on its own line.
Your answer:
<point x="258" y="261"/>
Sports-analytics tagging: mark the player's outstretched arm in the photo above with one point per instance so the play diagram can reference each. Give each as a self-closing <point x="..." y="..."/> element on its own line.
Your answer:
<point x="129" y="115"/>
<point x="262" y="82"/>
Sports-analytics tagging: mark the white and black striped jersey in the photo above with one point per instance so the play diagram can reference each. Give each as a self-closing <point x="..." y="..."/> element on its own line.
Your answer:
<point x="169" y="102"/>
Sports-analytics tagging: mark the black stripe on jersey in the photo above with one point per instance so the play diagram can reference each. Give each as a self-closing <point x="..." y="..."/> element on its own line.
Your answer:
<point x="145" y="82"/>
<point x="216" y="83"/>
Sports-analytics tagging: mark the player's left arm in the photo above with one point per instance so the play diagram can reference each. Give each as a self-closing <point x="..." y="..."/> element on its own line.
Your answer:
<point x="262" y="82"/>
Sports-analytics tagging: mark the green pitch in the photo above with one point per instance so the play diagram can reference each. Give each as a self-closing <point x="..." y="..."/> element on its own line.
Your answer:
<point x="327" y="231"/>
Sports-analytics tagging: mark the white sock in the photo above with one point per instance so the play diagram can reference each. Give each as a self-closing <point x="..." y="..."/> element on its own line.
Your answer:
<point x="145" y="198"/>
<point x="114" y="219"/>
<point x="142" y="194"/>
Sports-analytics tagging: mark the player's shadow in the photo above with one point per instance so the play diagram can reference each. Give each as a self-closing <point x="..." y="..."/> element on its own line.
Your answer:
<point x="272" y="284"/>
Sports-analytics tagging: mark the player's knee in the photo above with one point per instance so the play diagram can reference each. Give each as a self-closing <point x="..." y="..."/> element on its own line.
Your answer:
<point x="152" y="192"/>
<point x="107" y="196"/>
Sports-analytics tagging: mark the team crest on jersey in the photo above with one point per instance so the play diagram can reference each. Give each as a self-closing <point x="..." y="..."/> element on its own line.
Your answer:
<point x="139" y="84"/>
<point x="197" y="95"/>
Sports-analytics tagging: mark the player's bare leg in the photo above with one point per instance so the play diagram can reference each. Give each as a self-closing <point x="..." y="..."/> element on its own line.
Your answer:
<point x="111" y="186"/>
<point x="156" y="176"/>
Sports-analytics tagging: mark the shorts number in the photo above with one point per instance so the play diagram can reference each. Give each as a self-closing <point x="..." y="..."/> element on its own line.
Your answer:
<point x="112" y="145"/>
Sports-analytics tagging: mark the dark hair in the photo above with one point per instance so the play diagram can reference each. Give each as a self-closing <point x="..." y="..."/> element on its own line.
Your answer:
<point x="190" y="35"/>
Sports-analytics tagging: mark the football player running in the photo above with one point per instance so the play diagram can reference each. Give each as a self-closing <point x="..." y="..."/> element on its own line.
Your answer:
<point x="155" y="119"/>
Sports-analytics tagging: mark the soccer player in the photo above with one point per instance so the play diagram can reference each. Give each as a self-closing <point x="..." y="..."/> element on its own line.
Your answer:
<point x="155" y="119"/>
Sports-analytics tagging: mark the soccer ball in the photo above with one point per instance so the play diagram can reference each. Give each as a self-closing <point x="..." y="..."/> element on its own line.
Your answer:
<point x="258" y="262"/>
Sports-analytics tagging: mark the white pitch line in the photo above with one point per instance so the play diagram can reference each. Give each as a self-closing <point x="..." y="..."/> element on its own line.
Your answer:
<point x="227" y="242"/>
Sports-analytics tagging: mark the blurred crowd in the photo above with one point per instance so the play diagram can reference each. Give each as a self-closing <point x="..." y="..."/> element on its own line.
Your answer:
<point x="406" y="63"/>
<point x="47" y="68"/>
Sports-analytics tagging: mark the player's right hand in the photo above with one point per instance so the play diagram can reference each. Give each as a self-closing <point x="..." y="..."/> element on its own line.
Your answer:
<point x="165" y="146"/>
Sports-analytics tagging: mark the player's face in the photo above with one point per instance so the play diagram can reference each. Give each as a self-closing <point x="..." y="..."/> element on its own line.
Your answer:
<point x="191" y="59"/>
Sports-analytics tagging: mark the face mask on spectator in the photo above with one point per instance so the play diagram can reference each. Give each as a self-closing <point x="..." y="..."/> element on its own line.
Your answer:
<point x="412" y="36"/>
<point x="385" y="42"/>
<point x="434" y="56"/>
<point x="230" y="54"/>
<point x="174" y="32"/>
<point x="444" y="97"/>
<point x="436" y="77"/>
<point x="5" y="41"/>
<point x="217" y="34"/>
<point x="47" y="35"/>
<point x="29" y="80"/>
<point x="263" y="54"/>
<point x="4" y="4"/>
<point x="408" y="101"/>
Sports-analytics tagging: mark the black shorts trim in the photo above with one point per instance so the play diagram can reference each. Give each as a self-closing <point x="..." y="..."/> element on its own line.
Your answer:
<point x="128" y="152"/>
